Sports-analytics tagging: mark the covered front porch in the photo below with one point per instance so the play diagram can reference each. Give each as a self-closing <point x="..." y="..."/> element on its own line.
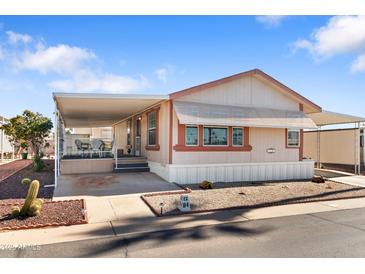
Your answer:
<point x="89" y="138"/>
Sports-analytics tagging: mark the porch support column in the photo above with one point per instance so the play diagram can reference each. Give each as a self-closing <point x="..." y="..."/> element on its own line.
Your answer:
<point x="319" y="147"/>
<point x="357" y="148"/>
<point x="2" y="141"/>
<point x="55" y="144"/>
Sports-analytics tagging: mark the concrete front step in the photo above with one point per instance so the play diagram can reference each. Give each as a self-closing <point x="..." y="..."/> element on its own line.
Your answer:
<point x="131" y="160"/>
<point x="131" y="165"/>
<point x="131" y="169"/>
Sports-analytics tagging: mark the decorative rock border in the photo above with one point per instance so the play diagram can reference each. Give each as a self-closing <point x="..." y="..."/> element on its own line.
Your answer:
<point x="157" y="214"/>
<point x="55" y="224"/>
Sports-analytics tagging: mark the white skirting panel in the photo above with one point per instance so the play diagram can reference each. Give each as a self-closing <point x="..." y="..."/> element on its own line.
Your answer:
<point x="265" y="171"/>
<point x="159" y="169"/>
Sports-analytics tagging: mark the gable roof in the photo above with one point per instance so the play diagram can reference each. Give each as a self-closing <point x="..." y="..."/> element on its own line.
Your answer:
<point x="308" y="106"/>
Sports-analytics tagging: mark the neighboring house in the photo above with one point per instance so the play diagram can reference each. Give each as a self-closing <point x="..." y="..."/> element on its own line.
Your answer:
<point x="6" y="149"/>
<point x="246" y="127"/>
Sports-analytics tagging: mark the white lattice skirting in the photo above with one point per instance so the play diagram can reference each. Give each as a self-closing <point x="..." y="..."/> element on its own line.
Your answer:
<point x="248" y="172"/>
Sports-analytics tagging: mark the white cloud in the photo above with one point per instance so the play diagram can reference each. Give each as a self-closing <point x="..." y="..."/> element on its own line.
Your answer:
<point x="162" y="74"/>
<point x="341" y="35"/>
<point x="62" y="59"/>
<point x="2" y="53"/>
<point x="14" y="38"/>
<point x="271" y="20"/>
<point x="359" y="64"/>
<point x="79" y="67"/>
<point x="104" y="82"/>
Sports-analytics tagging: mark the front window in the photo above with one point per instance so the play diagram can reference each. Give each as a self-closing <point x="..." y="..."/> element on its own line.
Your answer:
<point x="191" y="135"/>
<point x="215" y="136"/>
<point x="293" y="138"/>
<point x="151" y="121"/>
<point x="237" y="136"/>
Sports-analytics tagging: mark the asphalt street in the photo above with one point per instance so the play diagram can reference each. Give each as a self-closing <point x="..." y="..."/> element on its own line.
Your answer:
<point x="328" y="234"/>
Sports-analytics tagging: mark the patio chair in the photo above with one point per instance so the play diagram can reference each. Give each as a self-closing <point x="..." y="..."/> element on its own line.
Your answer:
<point x="80" y="147"/>
<point x="97" y="146"/>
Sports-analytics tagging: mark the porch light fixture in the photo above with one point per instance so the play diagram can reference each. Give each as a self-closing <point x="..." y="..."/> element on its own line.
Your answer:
<point x="139" y="118"/>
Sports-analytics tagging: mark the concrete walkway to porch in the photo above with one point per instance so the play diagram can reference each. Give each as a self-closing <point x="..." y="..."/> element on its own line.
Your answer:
<point x="110" y="184"/>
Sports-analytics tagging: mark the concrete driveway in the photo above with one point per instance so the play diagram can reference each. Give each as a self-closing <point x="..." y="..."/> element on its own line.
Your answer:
<point x="110" y="184"/>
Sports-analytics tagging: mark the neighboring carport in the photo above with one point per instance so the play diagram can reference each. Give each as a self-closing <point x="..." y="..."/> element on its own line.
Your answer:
<point x="328" y="118"/>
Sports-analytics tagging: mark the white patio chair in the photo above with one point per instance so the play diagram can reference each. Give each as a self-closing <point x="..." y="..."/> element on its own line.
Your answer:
<point x="80" y="147"/>
<point x="97" y="147"/>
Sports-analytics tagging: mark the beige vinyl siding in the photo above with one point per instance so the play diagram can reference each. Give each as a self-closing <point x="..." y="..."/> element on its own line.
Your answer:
<point x="260" y="139"/>
<point x="120" y="133"/>
<point x="247" y="91"/>
<point x="263" y="138"/>
<point x="161" y="156"/>
<point x="337" y="146"/>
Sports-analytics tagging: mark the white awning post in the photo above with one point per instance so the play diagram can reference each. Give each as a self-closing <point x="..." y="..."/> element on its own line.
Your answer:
<point x="357" y="148"/>
<point x="2" y="141"/>
<point x="319" y="147"/>
<point x="55" y="145"/>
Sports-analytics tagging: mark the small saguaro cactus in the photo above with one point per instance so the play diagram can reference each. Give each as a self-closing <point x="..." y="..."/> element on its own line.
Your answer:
<point x="32" y="206"/>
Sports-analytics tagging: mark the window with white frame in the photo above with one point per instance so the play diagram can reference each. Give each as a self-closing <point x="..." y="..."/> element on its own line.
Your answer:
<point x="237" y="136"/>
<point x="293" y="138"/>
<point x="215" y="136"/>
<point x="191" y="135"/>
<point x="152" y="127"/>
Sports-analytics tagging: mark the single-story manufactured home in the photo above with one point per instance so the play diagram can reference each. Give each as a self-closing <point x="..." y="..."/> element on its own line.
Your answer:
<point x="245" y="127"/>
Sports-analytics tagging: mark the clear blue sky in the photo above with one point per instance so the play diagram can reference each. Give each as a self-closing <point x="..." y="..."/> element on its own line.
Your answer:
<point x="159" y="55"/>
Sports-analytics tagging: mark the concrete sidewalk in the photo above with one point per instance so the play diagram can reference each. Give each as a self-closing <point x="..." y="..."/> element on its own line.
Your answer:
<point x="128" y="214"/>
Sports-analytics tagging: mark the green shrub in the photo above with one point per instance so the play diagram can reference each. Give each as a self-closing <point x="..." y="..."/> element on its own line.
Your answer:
<point x="38" y="163"/>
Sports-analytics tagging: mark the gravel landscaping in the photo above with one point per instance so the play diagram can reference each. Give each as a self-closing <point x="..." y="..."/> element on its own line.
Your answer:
<point x="9" y="169"/>
<point x="252" y="195"/>
<point x="53" y="214"/>
<point x="11" y="189"/>
<point x="13" y="192"/>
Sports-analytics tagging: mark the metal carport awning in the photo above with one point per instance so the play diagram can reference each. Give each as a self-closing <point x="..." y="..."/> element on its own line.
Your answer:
<point x="100" y="109"/>
<point x="328" y="118"/>
<point x="223" y="115"/>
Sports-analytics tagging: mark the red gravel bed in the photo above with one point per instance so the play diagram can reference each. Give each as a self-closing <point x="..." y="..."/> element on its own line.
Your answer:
<point x="60" y="213"/>
<point x="12" y="190"/>
<point x="245" y="195"/>
<point x="6" y="170"/>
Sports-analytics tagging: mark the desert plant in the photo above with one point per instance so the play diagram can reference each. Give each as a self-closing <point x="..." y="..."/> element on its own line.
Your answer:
<point x="38" y="163"/>
<point x="32" y="206"/>
<point x="29" y="130"/>
<point x="26" y="181"/>
<point x="206" y="185"/>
